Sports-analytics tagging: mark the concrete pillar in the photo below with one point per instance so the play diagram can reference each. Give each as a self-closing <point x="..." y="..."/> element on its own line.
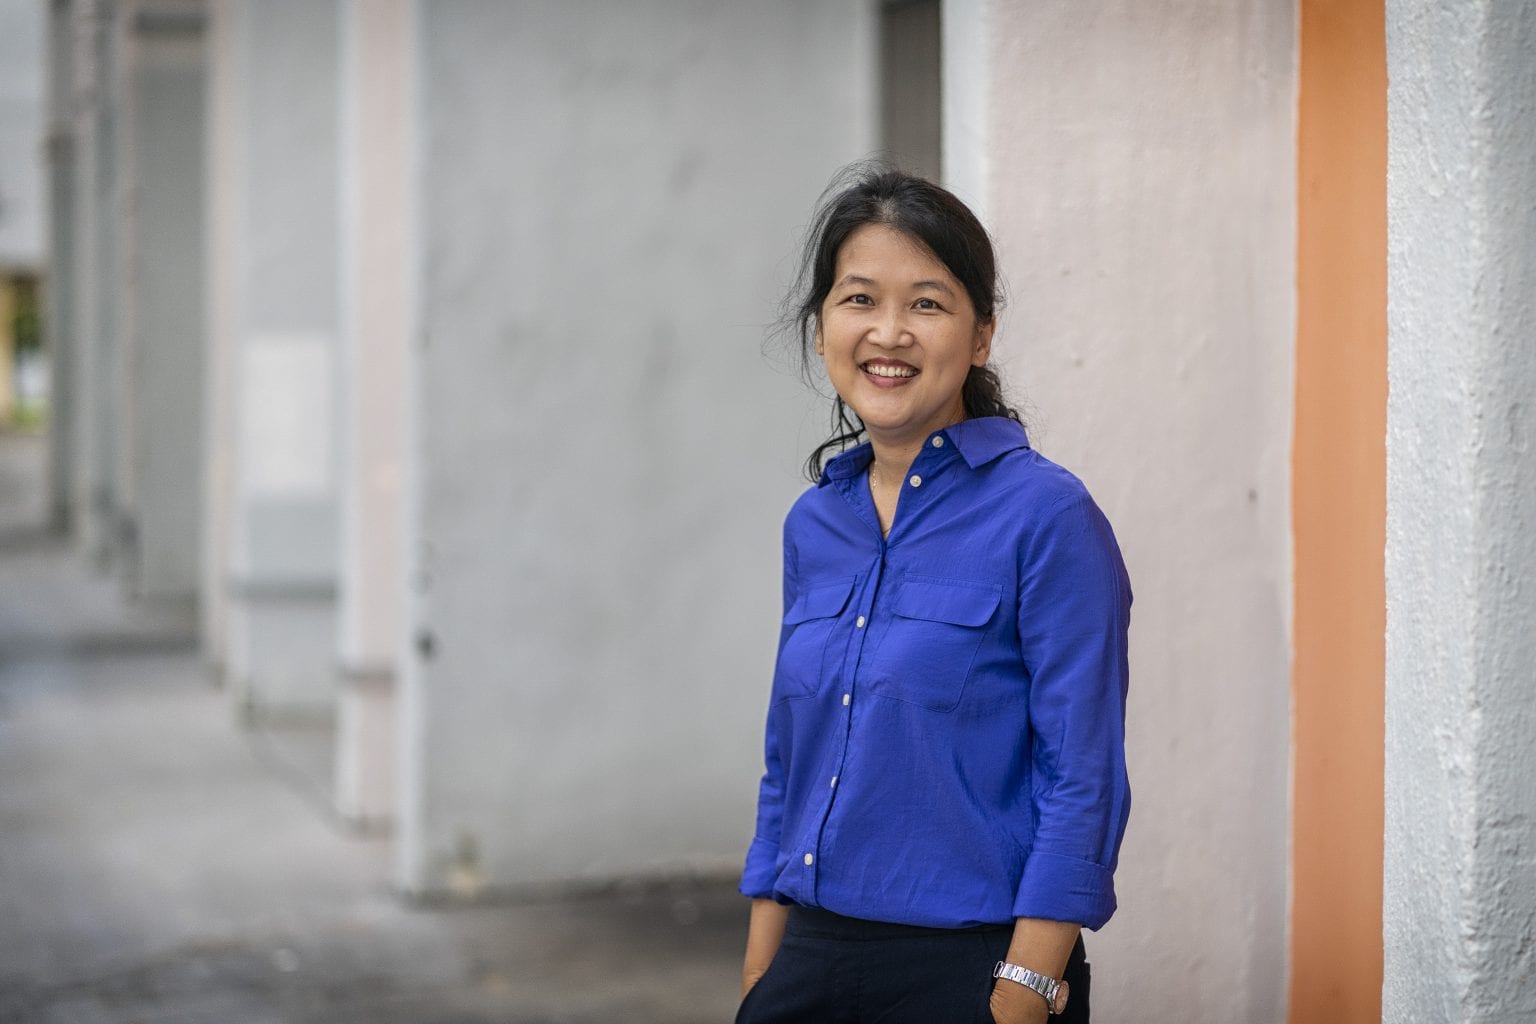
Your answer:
<point x="61" y="301"/>
<point x="1140" y="162"/>
<point x="609" y="198"/>
<point x="159" y="333"/>
<point x="1460" y="873"/>
<point x="273" y="295"/>
<point x="377" y="84"/>
<point x="94" y="370"/>
<point x="224" y="185"/>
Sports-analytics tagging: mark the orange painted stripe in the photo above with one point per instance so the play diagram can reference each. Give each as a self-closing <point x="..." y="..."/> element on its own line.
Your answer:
<point x="1339" y="514"/>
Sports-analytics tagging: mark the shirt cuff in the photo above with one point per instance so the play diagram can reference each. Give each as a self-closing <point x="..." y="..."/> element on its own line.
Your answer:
<point x="1058" y="888"/>
<point x="761" y="872"/>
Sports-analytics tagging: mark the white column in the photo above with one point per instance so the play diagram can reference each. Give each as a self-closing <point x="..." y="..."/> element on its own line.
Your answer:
<point x="273" y="294"/>
<point x="377" y="86"/>
<point x="159" y="331"/>
<point x="610" y="197"/>
<point x="1460" y="873"/>
<point x="1141" y="190"/>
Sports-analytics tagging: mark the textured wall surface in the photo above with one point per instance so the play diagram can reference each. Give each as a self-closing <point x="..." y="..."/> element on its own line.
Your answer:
<point x="1142" y="182"/>
<point x="609" y="195"/>
<point x="1460" y="874"/>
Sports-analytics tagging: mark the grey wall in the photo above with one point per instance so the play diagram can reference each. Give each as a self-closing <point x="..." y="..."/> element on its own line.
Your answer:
<point x="609" y="195"/>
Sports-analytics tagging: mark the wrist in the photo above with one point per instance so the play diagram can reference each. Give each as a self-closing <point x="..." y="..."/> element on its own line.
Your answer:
<point x="1052" y="991"/>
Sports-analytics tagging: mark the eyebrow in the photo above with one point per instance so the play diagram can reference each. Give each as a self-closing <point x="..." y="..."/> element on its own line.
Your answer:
<point x="938" y="286"/>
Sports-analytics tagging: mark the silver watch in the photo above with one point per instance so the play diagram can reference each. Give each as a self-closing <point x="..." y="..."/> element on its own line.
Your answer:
<point x="1054" y="992"/>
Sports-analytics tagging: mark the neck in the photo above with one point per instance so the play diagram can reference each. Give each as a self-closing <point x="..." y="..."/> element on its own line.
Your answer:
<point x="892" y="461"/>
<point x="893" y="456"/>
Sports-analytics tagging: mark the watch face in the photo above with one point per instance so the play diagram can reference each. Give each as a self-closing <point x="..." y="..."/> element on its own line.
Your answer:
<point x="1060" y="1005"/>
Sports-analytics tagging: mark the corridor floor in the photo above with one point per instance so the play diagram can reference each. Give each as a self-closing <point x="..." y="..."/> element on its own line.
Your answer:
<point x="161" y="864"/>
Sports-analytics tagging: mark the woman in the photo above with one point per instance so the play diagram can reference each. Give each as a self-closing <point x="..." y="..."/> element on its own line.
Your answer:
<point x="945" y="790"/>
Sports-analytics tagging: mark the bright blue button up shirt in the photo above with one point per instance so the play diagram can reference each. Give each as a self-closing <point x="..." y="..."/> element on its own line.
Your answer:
<point x="945" y="741"/>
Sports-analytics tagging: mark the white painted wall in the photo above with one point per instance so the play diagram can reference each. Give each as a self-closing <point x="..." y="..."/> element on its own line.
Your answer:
<point x="609" y="198"/>
<point x="1140" y="171"/>
<point x="1460" y="872"/>
<point x="22" y="33"/>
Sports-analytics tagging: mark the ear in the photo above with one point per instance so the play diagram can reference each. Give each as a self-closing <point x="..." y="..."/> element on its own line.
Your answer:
<point x="982" y="350"/>
<point x="821" y="348"/>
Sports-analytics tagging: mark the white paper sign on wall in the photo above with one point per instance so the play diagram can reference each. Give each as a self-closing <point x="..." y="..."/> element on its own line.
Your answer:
<point x="286" y="414"/>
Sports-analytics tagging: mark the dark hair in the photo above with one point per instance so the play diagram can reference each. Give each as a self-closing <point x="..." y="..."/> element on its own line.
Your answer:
<point x="931" y="215"/>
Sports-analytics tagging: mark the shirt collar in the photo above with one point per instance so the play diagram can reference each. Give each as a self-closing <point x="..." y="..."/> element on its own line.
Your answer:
<point x="978" y="441"/>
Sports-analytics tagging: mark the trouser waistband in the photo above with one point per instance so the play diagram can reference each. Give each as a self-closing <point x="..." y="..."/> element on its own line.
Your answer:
<point x="815" y="922"/>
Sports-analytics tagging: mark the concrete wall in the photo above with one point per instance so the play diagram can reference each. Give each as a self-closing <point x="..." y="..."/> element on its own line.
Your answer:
<point x="1460" y="873"/>
<point x="1139" y="161"/>
<point x="609" y="196"/>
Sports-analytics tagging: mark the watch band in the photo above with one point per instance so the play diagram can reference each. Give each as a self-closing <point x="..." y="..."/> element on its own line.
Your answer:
<point x="1047" y="987"/>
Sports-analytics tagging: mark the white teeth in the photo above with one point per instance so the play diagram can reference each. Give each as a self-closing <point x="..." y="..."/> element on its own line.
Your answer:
<point x="890" y="371"/>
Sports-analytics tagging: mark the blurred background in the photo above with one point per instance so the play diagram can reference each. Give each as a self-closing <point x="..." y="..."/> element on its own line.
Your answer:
<point x="395" y="447"/>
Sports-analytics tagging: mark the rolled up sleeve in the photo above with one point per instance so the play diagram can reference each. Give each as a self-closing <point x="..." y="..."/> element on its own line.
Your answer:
<point x="761" y="870"/>
<point x="1074" y="618"/>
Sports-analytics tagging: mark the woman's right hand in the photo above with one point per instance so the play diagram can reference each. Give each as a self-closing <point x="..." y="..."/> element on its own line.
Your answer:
<point x="749" y="978"/>
<point x="764" y="934"/>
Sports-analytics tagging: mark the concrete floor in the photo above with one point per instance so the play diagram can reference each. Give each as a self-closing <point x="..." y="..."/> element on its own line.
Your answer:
<point x="159" y="863"/>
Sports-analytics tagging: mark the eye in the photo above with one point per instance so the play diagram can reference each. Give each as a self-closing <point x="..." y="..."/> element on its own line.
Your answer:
<point x="927" y="305"/>
<point x="860" y="299"/>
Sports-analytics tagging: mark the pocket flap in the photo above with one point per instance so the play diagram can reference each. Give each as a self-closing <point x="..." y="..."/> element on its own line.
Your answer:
<point x="958" y="602"/>
<point x="820" y="601"/>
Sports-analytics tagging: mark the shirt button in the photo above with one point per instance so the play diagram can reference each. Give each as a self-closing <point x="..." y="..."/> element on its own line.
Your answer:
<point x="938" y="442"/>
<point x="834" y="780"/>
<point x="916" y="480"/>
<point x="860" y="622"/>
<point x="809" y="860"/>
<point x="847" y="697"/>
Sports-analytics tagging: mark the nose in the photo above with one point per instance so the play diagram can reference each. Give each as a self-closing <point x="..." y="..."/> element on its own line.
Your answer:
<point x="890" y="328"/>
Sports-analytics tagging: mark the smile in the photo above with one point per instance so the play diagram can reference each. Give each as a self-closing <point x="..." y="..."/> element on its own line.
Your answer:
<point x="888" y="370"/>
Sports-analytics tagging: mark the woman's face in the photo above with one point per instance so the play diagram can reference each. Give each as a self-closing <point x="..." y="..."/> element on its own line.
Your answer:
<point x="898" y="334"/>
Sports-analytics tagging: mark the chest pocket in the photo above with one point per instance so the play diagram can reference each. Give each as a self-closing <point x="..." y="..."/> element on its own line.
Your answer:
<point x="936" y="628"/>
<point x="808" y="625"/>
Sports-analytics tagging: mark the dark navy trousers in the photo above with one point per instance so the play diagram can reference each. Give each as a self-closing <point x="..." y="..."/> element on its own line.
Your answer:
<point x="839" y="970"/>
